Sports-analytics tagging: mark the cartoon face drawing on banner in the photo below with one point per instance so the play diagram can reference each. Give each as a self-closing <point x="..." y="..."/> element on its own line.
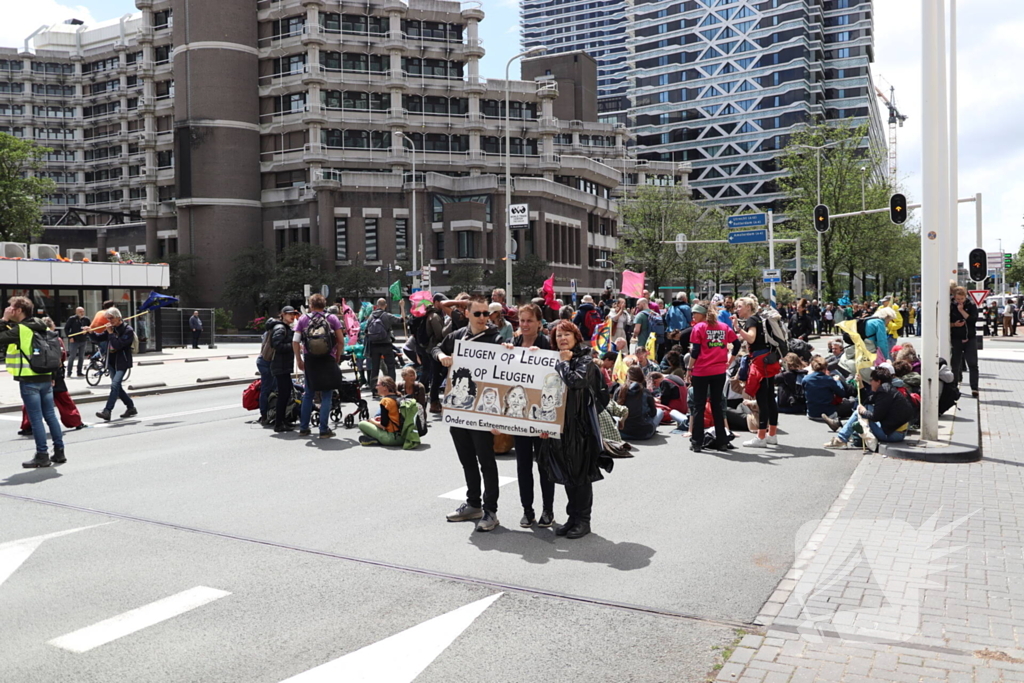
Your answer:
<point x="550" y="400"/>
<point x="489" y="402"/>
<point x="463" y="393"/>
<point x="516" y="402"/>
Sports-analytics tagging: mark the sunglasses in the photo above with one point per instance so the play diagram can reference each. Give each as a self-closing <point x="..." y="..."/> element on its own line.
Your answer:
<point x="481" y="314"/>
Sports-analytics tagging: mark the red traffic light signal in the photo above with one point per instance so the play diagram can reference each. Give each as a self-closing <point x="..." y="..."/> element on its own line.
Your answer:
<point x="898" y="208"/>
<point x="821" y="221"/>
<point x="977" y="265"/>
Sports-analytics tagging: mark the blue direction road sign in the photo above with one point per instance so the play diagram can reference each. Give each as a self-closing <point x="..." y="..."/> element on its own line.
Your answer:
<point x="750" y="220"/>
<point x="748" y="236"/>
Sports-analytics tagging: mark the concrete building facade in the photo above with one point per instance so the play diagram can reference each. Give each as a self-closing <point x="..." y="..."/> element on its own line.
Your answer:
<point x="236" y="123"/>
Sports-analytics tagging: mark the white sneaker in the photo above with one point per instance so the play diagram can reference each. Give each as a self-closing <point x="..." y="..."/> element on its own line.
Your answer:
<point x="772" y="440"/>
<point x="756" y="443"/>
<point x="838" y="444"/>
<point x="870" y="442"/>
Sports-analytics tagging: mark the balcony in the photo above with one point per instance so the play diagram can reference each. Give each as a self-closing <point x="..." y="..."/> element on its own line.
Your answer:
<point x="476" y="159"/>
<point x="395" y="6"/>
<point x="475" y="84"/>
<point x="397" y="118"/>
<point x="473" y="48"/>
<point x="548" y="90"/>
<point x="314" y="153"/>
<point x="550" y="162"/>
<point x="396" y="80"/>
<point x="314" y="113"/>
<point x="145" y="34"/>
<point x="547" y="125"/>
<point x="146" y="105"/>
<point x="397" y="156"/>
<point x="146" y="139"/>
<point x="313" y="73"/>
<point x="476" y="122"/>
<point x="313" y="35"/>
<point x="395" y="41"/>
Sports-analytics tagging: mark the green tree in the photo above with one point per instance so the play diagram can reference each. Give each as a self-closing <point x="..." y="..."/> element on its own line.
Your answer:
<point x="528" y="274"/>
<point x="1015" y="273"/>
<point x="356" y="281"/>
<point x="465" y="278"/>
<point x="183" y="280"/>
<point x="300" y="264"/>
<point x="21" y="194"/>
<point x="246" y="286"/>
<point x="654" y="214"/>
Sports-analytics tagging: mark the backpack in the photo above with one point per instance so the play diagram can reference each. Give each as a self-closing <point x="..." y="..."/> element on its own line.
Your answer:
<point x="135" y="342"/>
<point x="318" y="337"/>
<point x="267" y="350"/>
<point x="656" y="324"/>
<point x="421" y="330"/>
<point x="251" y="396"/>
<point x="775" y="333"/>
<point x="413" y="427"/>
<point x="46" y="353"/>
<point x="376" y="331"/>
<point x="591" y="321"/>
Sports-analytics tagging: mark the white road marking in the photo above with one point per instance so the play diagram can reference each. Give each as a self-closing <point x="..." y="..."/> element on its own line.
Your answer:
<point x="15" y="418"/>
<point x="402" y="657"/>
<point x="14" y="553"/>
<point x="109" y="630"/>
<point x="460" y="494"/>
<point x="152" y="418"/>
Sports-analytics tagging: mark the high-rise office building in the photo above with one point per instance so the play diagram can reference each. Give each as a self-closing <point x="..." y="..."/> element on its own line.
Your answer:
<point x="723" y="83"/>
<point x="203" y="127"/>
<point x="598" y="27"/>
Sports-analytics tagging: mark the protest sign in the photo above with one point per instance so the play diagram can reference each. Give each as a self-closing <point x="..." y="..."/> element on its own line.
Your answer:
<point x="515" y="391"/>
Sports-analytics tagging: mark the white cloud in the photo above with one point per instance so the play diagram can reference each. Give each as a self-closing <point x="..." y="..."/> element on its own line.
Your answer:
<point x="990" y="99"/>
<point x="514" y="28"/>
<point x="21" y="19"/>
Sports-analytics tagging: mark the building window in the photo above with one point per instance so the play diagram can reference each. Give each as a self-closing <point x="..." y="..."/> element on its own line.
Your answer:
<point x="370" y="226"/>
<point x="467" y="245"/>
<point x="341" y="239"/>
<point x="439" y="245"/>
<point x="401" y="239"/>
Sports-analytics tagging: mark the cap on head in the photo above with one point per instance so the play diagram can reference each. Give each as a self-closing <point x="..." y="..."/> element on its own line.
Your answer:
<point x="700" y="308"/>
<point x="494" y="307"/>
<point x="288" y="309"/>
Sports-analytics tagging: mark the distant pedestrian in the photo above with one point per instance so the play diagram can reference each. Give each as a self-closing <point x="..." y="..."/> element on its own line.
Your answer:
<point x="120" y="337"/>
<point x="18" y="330"/>
<point x="69" y="415"/>
<point x="195" y="324"/>
<point x="282" y="365"/>
<point x="74" y="328"/>
<point x="264" y="363"/>
<point x="99" y="322"/>
<point x="380" y="342"/>
<point x="317" y="343"/>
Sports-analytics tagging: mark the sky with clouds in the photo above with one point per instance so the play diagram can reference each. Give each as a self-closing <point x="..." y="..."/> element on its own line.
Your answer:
<point x="991" y="90"/>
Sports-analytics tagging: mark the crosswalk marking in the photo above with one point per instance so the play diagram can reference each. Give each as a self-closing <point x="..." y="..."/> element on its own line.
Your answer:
<point x="460" y="494"/>
<point x="402" y="657"/>
<point x="109" y="630"/>
<point x="14" y="553"/>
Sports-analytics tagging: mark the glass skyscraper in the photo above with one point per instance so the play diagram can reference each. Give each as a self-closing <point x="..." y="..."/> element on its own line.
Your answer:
<point x="723" y="83"/>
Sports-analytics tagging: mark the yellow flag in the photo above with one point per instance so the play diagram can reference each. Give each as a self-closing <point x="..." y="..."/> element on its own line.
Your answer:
<point x="652" y="347"/>
<point x="619" y="370"/>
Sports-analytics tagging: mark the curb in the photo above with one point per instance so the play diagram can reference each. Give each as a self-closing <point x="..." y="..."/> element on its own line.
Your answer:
<point x="965" y="448"/>
<point x="99" y="398"/>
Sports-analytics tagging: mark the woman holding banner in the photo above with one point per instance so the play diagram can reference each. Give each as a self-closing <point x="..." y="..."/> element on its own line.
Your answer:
<point x="574" y="459"/>
<point x="528" y="447"/>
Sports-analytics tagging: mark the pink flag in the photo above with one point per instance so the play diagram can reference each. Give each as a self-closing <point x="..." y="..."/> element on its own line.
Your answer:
<point x="420" y="300"/>
<point x="633" y="283"/>
<point x="549" y="294"/>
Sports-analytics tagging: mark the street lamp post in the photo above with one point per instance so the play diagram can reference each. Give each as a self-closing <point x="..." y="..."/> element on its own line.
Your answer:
<point x="817" y="160"/>
<point x="533" y="51"/>
<point x="405" y="139"/>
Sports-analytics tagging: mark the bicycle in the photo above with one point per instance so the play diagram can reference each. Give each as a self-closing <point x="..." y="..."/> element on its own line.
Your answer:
<point x="97" y="369"/>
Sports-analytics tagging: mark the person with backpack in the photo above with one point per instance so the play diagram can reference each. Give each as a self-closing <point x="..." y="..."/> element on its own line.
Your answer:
<point x="766" y="354"/>
<point x="317" y="342"/>
<point x="282" y="365"/>
<point x="268" y="383"/>
<point x="66" y="408"/>
<point x="32" y="359"/>
<point x="588" y="318"/>
<point x="474" y="447"/>
<point x="646" y="323"/>
<point x="121" y="342"/>
<point x="386" y="428"/>
<point x="379" y="342"/>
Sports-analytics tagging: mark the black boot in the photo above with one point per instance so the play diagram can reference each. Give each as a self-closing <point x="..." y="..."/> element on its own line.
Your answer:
<point x="564" y="529"/>
<point x="40" y="460"/>
<point x="58" y="456"/>
<point x="579" y="531"/>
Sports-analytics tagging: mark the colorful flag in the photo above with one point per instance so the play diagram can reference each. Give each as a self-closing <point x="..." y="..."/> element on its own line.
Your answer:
<point x="652" y="347"/>
<point x="396" y="290"/>
<point x="420" y="302"/>
<point x="633" y="283"/>
<point x="549" y="294"/>
<point x="601" y="339"/>
<point x="156" y="300"/>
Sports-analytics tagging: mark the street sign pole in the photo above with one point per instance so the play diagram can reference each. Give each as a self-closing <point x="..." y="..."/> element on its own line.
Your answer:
<point x="771" y="253"/>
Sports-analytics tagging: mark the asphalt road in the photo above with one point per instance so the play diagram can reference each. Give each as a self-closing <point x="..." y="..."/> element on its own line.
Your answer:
<point x="325" y="547"/>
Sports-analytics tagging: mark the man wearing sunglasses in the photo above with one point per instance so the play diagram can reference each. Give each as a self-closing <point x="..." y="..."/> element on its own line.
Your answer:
<point x="474" y="446"/>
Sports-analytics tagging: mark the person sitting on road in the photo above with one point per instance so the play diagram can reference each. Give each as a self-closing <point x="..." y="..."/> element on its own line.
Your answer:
<point x="386" y="429"/>
<point x="790" y="391"/>
<point x="907" y="377"/>
<point x="607" y="365"/>
<point x="410" y="388"/>
<point x="643" y="361"/>
<point x="119" y="336"/>
<point x="888" y="413"/>
<point x="834" y="358"/>
<point x="673" y="391"/>
<point x="908" y="353"/>
<point x="644" y="417"/>
<point x="826" y="394"/>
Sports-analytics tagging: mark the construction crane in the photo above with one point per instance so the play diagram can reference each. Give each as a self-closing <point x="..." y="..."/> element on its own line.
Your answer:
<point x="896" y="119"/>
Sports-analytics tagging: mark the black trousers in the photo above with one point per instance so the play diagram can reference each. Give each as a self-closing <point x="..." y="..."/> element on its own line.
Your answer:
<point x="195" y="338"/>
<point x="476" y="453"/>
<point x="581" y="502"/>
<point x="701" y="387"/>
<point x="440" y="372"/>
<point x="965" y="351"/>
<point x="767" y="408"/>
<point x="284" y="396"/>
<point x="527" y="448"/>
<point x="377" y="354"/>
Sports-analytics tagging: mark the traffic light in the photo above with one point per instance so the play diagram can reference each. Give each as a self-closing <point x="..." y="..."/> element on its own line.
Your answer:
<point x="898" y="208"/>
<point x="821" y="223"/>
<point x="1007" y="261"/>
<point x="977" y="265"/>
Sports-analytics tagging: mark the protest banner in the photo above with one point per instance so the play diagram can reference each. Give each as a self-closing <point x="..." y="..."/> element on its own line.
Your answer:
<point x="515" y="391"/>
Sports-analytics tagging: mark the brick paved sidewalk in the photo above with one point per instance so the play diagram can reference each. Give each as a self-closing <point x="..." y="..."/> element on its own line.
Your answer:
<point x="916" y="574"/>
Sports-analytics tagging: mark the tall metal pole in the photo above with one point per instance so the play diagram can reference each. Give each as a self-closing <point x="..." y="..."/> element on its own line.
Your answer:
<point x="935" y="143"/>
<point x="508" y="186"/>
<point x="977" y="220"/>
<point x="951" y="243"/>
<point x="771" y="255"/>
<point x="820" y="287"/>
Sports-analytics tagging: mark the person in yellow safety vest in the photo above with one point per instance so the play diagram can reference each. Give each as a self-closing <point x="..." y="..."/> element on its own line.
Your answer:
<point x="17" y="329"/>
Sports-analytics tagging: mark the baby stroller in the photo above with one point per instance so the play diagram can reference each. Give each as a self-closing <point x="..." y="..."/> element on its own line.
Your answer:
<point x="291" y="415"/>
<point x="348" y="393"/>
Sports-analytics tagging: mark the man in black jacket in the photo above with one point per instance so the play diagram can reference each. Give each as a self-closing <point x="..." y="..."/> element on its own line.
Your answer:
<point x="963" y="321"/>
<point x="283" y="364"/>
<point x="888" y="415"/>
<point x="73" y="328"/>
<point x="473" y="445"/>
<point x="119" y="336"/>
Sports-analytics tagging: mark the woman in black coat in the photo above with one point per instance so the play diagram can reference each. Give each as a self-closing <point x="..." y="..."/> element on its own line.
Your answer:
<point x="574" y="459"/>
